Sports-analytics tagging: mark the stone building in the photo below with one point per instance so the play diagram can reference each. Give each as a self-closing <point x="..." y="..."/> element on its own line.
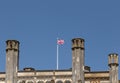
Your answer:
<point x="79" y="73"/>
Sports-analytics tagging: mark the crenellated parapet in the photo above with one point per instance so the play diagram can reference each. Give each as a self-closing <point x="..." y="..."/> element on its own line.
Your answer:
<point x="12" y="45"/>
<point x="113" y="59"/>
<point x="77" y="43"/>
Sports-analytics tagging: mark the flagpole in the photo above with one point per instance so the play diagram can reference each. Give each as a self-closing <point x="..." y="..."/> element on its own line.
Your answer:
<point x="59" y="42"/>
<point x="57" y="55"/>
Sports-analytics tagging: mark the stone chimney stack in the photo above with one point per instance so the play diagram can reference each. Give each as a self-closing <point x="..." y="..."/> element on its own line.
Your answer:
<point x="12" y="60"/>
<point x="113" y="64"/>
<point x="78" y="60"/>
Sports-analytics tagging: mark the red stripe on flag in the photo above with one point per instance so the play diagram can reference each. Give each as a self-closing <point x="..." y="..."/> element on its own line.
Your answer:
<point x="60" y="41"/>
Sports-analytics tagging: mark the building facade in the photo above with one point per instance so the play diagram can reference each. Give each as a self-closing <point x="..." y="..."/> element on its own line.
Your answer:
<point x="79" y="73"/>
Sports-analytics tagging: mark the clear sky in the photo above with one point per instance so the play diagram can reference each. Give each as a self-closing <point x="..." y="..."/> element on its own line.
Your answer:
<point x="37" y="24"/>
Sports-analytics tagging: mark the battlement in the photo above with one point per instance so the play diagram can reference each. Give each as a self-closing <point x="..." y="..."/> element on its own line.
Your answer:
<point x="113" y="59"/>
<point x="77" y="43"/>
<point x="12" y="45"/>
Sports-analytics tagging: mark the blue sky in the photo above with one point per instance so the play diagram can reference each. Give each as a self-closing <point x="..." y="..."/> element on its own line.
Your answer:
<point x="37" y="24"/>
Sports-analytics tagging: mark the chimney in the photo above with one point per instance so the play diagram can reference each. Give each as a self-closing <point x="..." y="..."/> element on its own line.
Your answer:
<point x="77" y="60"/>
<point x="12" y="60"/>
<point x="113" y="64"/>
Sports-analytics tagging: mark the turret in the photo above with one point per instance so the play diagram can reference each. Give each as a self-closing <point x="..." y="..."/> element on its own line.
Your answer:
<point x="12" y="60"/>
<point x="77" y="60"/>
<point x="113" y="64"/>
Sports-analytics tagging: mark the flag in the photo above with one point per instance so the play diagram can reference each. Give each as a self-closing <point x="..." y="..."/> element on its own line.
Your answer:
<point x="60" y="41"/>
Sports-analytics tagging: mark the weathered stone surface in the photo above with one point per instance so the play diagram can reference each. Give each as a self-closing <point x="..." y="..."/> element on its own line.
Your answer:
<point x="78" y="60"/>
<point x="113" y="64"/>
<point x="12" y="60"/>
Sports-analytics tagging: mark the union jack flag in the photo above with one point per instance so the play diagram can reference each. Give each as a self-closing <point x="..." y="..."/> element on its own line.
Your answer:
<point x="60" y="41"/>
